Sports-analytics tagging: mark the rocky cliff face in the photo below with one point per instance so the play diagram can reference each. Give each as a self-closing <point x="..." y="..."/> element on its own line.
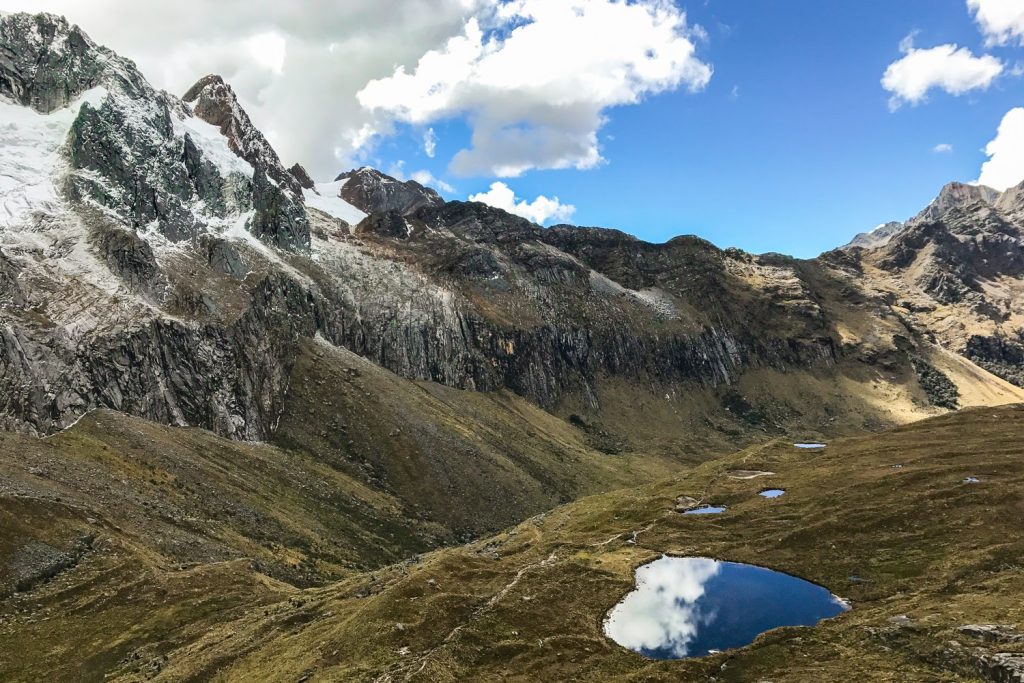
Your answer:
<point x="301" y="175"/>
<point x="877" y="237"/>
<point x="957" y="270"/>
<point x="374" y="192"/>
<point x="181" y="270"/>
<point x="45" y="63"/>
<point x="957" y="196"/>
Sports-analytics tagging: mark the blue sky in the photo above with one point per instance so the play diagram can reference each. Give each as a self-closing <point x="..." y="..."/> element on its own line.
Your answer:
<point x="611" y="106"/>
<point x="791" y="147"/>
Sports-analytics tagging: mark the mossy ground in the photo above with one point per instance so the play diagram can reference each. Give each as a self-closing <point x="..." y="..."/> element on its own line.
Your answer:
<point x="528" y="604"/>
<point x="198" y="558"/>
<point x="122" y="540"/>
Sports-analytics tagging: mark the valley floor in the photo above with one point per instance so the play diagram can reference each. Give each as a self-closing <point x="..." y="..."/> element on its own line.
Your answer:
<point x="918" y="553"/>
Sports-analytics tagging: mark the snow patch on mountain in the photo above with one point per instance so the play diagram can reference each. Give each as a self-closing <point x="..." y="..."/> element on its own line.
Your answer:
<point x="657" y="300"/>
<point x="213" y="145"/>
<point x="238" y="232"/>
<point x="653" y="298"/>
<point x="327" y="198"/>
<point x="30" y="158"/>
<point x="370" y="275"/>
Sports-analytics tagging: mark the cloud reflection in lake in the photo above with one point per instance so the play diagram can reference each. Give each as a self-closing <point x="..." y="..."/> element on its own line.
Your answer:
<point x="689" y="607"/>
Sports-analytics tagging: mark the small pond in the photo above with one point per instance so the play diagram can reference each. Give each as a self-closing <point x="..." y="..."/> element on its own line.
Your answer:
<point x="772" y="493"/>
<point x="694" y="606"/>
<point x="972" y="480"/>
<point x="706" y="510"/>
<point x="810" y="446"/>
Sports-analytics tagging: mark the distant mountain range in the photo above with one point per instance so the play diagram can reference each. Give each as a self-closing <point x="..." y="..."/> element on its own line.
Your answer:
<point x="952" y="196"/>
<point x="162" y="261"/>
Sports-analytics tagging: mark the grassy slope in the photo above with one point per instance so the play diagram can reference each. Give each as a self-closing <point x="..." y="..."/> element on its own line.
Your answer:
<point x="156" y="533"/>
<point x="173" y="535"/>
<point x="528" y="604"/>
<point x="693" y="424"/>
<point x="470" y="462"/>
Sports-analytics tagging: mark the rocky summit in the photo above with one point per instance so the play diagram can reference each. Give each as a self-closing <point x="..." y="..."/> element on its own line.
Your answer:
<point x="955" y="271"/>
<point x="257" y="427"/>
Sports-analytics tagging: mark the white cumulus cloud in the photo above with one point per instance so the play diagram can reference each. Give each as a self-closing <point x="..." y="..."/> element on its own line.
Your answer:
<point x="423" y="177"/>
<point x="540" y="210"/>
<point x="947" y="67"/>
<point x="296" y="65"/>
<point x="1005" y="165"/>
<point x="535" y="78"/>
<point x="1002" y="21"/>
<point x="428" y="179"/>
<point x="269" y="50"/>
<point x="943" y="148"/>
<point x="430" y="143"/>
<point x="327" y="81"/>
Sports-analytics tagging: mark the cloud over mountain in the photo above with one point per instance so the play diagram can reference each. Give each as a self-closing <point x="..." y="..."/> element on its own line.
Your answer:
<point x="540" y="210"/>
<point x="536" y="77"/>
<point x="1005" y="165"/>
<point x="296" y="66"/>
<point x="326" y="81"/>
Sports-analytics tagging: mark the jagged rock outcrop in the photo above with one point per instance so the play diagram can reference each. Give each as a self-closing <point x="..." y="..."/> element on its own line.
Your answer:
<point x="224" y="257"/>
<point x="131" y="258"/>
<point x="993" y="633"/>
<point x="302" y="176"/>
<point x="215" y="102"/>
<point x="374" y="192"/>
<point x="45" y="62"/>
<point x="136" y="166"/>
<point x="280" y="214"/>
<point x="1002" y="667"/>
<point x="957" y="196"/>
<point x="877" y="237"/>
<point x="386" y="224"/>
<point x="168" y="309"/>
